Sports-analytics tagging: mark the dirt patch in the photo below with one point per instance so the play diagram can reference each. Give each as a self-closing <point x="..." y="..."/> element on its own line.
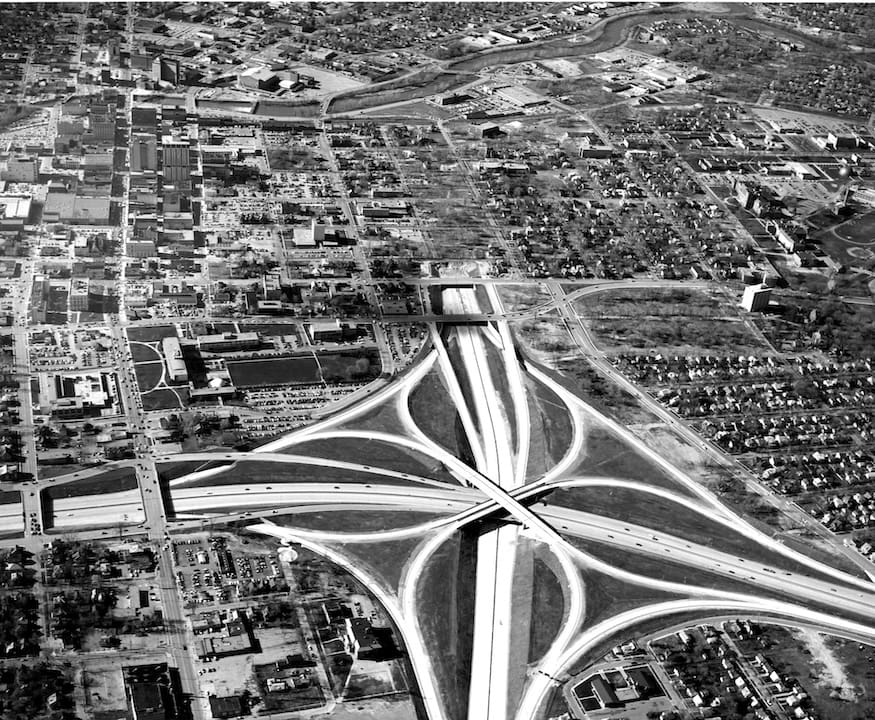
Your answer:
<point x="830" y="670"/>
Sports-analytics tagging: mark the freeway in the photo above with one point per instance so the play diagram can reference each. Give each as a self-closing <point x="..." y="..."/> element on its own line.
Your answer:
<point x="464" y="506"/>
<point x="585" y="342"/>
<point x="494" y="486"/>
<point x="354" y="469"/>
<point x="83" y="511"/>
<point x="496" y="549"/>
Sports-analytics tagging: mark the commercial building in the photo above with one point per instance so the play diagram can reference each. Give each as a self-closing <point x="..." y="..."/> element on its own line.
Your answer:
<point x="144" y="152"/>
<point x="175" y="160"/>
<point x="229" y="342"/>
<point x="173" y="358"/>
<point x="91" y="211"/>
<point x="150" y="692"/>
<point x="21" y="169"/>
<point x="147" y="701"/>
<point x="167" y="70"/>
<point x="14" y="211"/>
<point x="520" y="96"/>
<point x="332" y="331"/>
<point x="756" y="298"/>
<point x="259" y="79"/>
<point x="311" y="236"/>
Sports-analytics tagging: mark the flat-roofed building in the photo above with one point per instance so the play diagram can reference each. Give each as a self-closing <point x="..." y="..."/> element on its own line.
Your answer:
<point x="259" y="79"/>
<point x="756" y="298"/>
<point x="144" y="152"/>
<point x="21" y="169"/>
<point x="14" y="211"/>
<point x="520" y="96"/>
<point x="91" y="211"/>
<point x="175" y="160"/>
<point x="229" y="342"/>
<point x="173" y="358"/>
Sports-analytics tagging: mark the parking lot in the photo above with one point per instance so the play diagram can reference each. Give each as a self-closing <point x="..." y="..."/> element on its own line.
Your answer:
<point x="215" y="569"/>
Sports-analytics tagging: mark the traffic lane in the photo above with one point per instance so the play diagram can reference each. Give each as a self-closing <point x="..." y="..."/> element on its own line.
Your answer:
<point x="651" y="542"/>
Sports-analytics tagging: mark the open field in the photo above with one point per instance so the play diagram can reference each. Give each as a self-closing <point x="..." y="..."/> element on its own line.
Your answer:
<point x="551" y="428"/>
<point x="376" y="454"/>
<point x="433" y="411"/>
<point x="385" y="561"/>
<point x="521" y="617"/>
<point x="383" y="418"/>
<point x="15" y="114"/>
<point x="353" y="521"/>
<point x="148" y="374"/>
<point x="607" y="596"/>
<point x="141" y="352"/>
<point x="604" y="395"/>
<point x="606" y="455"/>
<point x="261" y="471"/>
<point x="495" y="362"/>
<point x="393" y="707"/>
<point x="547" y="611"/>
<point x="673" y="319"/>
<point x="445" y="601"/>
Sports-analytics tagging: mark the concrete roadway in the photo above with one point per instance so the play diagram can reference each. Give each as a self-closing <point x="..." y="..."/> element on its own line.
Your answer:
<point x="496" y="550"/>
<point x="585" y="342"/>
<point x="464" y="503"/>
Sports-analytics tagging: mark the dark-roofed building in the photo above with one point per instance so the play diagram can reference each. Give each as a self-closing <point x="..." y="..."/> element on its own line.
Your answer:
<point x="360" y="637"/>
<point x="227" y="707"/>
<point x="604" y="693"/>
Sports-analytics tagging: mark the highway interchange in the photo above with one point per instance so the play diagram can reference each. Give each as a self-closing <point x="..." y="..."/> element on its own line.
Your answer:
<point x="488" y="383"/>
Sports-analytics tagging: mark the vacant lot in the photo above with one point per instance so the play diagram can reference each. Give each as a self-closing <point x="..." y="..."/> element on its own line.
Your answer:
<point x="671" y="319"/>
<point x="837" y="674"/>
<point x="374" y="454"/>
